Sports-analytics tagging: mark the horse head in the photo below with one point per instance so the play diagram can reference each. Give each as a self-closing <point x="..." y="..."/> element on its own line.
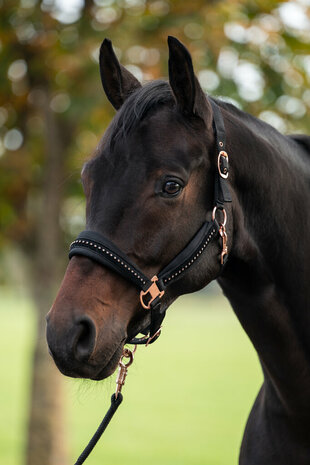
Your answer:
<point x="149" y="188"/>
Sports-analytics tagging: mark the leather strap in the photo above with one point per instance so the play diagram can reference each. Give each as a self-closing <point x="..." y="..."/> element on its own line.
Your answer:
<point x="100" y="249"/>
<point x="221" y="189"/>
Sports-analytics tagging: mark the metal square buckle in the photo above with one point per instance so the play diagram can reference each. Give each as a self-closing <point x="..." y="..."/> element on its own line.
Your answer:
<point x="154" y="292"/>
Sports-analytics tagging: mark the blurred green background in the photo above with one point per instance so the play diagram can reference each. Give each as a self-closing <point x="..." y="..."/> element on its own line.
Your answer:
<point x="186" y="402"/>
<point x="186" y="398"/>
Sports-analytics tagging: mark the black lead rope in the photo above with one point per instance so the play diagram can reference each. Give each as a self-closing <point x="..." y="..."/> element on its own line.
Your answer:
<point x="115" y="403"/>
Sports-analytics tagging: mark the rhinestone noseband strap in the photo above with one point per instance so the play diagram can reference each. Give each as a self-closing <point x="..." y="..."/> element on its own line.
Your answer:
<point x="98" y="248"/>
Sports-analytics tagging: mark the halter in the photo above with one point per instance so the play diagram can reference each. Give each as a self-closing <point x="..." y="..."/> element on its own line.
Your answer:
<point x="98" y="248"/>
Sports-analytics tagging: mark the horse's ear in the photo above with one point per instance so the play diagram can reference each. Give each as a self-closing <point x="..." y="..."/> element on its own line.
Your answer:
<point x="118" y="83"/>
<point x="189" y="95"/>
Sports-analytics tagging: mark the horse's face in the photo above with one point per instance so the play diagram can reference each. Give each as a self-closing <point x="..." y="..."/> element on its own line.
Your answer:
<point x="148" y="189"/>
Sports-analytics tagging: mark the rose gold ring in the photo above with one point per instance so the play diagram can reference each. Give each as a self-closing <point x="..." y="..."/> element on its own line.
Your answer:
<point x="224" y="214"/>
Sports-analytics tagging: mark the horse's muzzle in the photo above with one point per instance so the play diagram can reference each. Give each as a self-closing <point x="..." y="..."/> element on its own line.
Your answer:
<point x="76" y="351"/>
<point x="72" y="351"/>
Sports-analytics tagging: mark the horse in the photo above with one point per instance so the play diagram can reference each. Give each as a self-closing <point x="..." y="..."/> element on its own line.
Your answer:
<point x="149" y="188"/>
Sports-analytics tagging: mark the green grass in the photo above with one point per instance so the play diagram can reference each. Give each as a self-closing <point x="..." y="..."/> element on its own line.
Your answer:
<point x="17" y="333"/>
<point x="186" y="398"/>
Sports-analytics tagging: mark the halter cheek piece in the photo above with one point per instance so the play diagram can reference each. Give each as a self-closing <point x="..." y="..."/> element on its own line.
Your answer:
<point x="98" y="248"/>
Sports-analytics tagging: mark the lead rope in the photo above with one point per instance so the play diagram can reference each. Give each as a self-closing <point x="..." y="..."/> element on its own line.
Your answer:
<point x="116" y="401"/>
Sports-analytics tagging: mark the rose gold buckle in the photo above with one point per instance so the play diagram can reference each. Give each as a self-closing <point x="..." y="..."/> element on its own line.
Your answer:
<point x="154" y="292"/>
<point x="224" y="174"/>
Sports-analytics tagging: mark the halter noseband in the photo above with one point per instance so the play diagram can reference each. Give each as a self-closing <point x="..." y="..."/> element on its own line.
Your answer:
<point x="98" y="248"/>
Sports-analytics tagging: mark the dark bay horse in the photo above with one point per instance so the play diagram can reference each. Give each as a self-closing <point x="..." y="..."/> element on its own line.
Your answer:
<point x="149" y="188"/>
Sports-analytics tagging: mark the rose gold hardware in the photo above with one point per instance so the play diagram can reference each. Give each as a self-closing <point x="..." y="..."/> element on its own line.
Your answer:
<point x="221" y="144"/>
<point x="154" y="292"/>
<point x="121" y="376"/>
<point x="224" y="214"/>
<point x="149" y="339"/>
<point x="222" y="231"/>
<point x="123" y="368"/>
<point x="133" y="350"/>
<point x="223" y="235"/>
<point x="156" y="335"/>
<point x="222" y="154"/>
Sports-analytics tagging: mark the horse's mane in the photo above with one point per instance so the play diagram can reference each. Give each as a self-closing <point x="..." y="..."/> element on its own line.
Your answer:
<point x="152" y="95"/>
<point x="252" y="122"/>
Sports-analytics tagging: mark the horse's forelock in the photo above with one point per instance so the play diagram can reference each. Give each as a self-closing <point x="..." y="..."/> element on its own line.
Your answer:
<point x="137" y="106"/>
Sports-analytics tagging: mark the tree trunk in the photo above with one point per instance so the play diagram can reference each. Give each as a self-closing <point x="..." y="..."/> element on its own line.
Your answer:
<point x="46" y="439"/>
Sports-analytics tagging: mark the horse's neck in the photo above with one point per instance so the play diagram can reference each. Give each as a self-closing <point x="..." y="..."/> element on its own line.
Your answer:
<point x="266" y="275"/>
<point x="270" y="182"/>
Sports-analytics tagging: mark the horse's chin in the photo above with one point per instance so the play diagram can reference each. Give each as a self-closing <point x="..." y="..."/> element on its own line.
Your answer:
<point x="110" y="367"/>
<point x="94" y="370"/>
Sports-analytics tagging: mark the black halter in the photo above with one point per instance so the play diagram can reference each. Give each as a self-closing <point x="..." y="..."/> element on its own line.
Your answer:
<point x="98" y="248"/>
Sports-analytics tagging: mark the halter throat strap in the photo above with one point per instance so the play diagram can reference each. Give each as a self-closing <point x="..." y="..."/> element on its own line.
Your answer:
<point x="103" y="251"/>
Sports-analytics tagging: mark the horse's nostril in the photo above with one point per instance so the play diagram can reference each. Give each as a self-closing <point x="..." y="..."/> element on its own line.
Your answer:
<point x="85" y="338"/>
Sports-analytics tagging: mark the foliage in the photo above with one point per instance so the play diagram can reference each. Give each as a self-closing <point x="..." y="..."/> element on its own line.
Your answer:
<point x="253" y="52"/>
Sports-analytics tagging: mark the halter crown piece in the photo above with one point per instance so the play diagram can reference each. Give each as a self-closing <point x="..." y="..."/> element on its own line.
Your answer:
<point x="98" y="248"/>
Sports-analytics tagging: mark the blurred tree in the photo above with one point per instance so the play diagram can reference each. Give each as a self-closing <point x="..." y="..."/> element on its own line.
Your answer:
<point x="255" y="53"/>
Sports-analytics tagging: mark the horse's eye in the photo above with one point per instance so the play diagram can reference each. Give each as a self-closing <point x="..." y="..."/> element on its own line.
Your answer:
<point x="172" y="188"/>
